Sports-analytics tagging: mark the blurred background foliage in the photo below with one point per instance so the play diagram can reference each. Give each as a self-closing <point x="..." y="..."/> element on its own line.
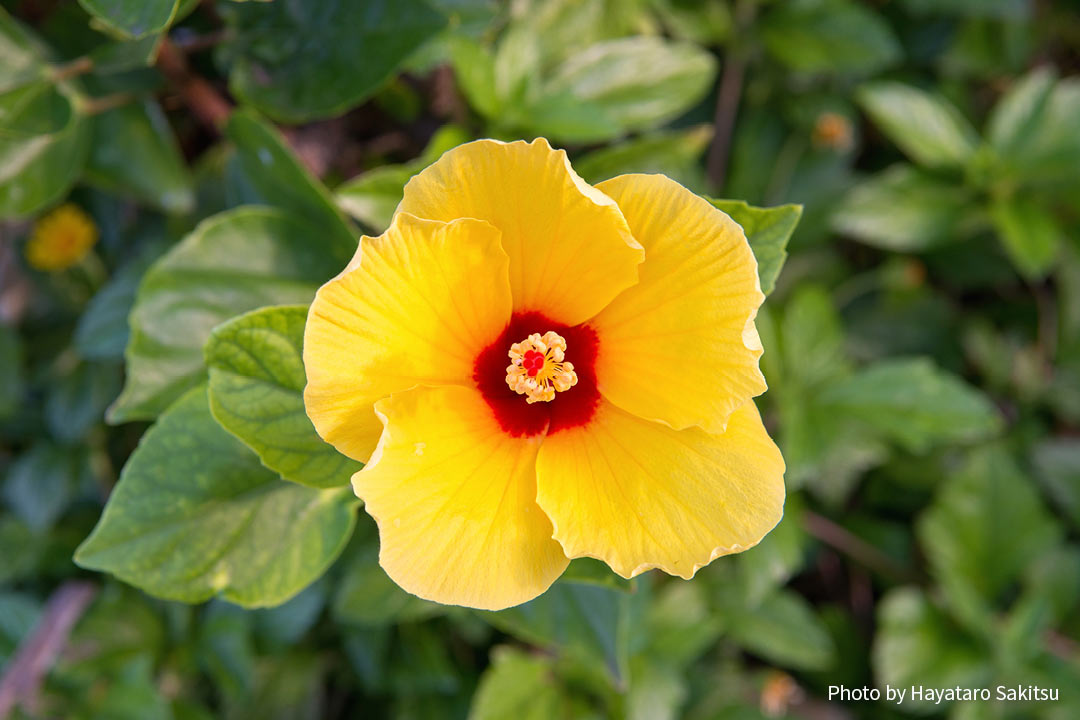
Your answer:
<point x="922" y="343"/>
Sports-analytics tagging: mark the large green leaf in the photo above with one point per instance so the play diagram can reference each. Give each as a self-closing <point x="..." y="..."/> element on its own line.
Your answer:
<point x="367" y="596"/>
<point x="986" y="525"/>
<point x="37" y="172"/>
<point x="915" y="403"/>
<point x="1047" y="154"/>
<point x="768" y="231"/>
<point x="282" y="181"/>
<point x="298" y="61"/>
<point x="195" y="515"/>
<point x="925" y="126"/>
<point x="135" y="152"/>
<point x="231" y="263"/>
<point x="583" y="619"/>
<point x="1018" y="113"/>
<point x="831" y="36"/>
<point x="675" y="153"/>
<point x="133" y="18"/>
<point x="620" y="85"/>
<point x="904" y="209"/>
<point x="518" y="685"/>
<point x="781" y="628"/>
<point x="1030" y="233"/>
<point x="257" y="393"/>
<point x="916" y="644"/>
<point x="41" y="483"/>
<point x="37" y="108"/>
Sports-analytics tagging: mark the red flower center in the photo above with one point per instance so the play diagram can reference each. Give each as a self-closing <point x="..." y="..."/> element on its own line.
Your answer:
<point x="571" y="408"/>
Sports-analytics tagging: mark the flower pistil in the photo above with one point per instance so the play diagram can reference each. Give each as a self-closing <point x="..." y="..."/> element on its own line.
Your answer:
<point x="538" y="367"/>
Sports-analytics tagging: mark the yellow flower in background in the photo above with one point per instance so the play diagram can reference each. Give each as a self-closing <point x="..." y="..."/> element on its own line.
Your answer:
<point x="61" y="239"/>
<point x="536" y="369"/>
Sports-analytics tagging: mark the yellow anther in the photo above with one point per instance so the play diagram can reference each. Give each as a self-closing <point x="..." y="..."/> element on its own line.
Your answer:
<point x="538" y="368"/>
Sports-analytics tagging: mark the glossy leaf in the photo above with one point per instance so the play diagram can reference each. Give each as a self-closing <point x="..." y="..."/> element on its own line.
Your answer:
<point x="905" y="210"/>
<point x="134" y="152"/>
<point x="985" y="526"/>
<point x="914" y="403"/>
<point x="583" y="619"/>
<point x="676" y="154"/>
<point x="36" y="172"/>
<point x="195" y="515"/>
<point x="517" y="685"/>
<point x="282" y="181"/>
<point x="1029" y="233"/>
<point x="832" y="36"/>
<point x="132" y="18"/>
<point x="233" y="262"/>
<point x="621" y="85"/>
<point x="256" y="390"/>
<point x="925" y="126"/>
<point x="299" y="62"/>
<point x="768" y="230"/>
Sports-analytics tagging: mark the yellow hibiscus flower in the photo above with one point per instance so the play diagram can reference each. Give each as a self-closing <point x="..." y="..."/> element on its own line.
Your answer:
<point x="61" y="239"/>
<point x="536" y="369"/>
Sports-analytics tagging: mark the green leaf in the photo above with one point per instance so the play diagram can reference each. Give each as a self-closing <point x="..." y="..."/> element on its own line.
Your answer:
<point x="1047" y="155"/>
<point x="303" y="62"/>
<point x="768" y="231"/>
<point x="373" y="196"/>
<point x="915" y="403"/>
<point x="276" y="174"/>
<point x="780" y="555"/>
<point x="1019" y="112"/>
<point x="230" y="263"/>
<point x="517" y="685"/>
<point x="813" y="339"/>
<point x="20" y="54"/>
<point x="102" y="330"/>
<point x="986" y="525"/>
<point x="367" y="596"/>
<point x="904" y="209"/>
<point x="676" y="154"/>
<point x="77" y="400"/>
<point x="925" y="126"/>
<point x="41" y="483"/>
<point x="132" y="18"/>
<point x="195" y="515"/>
<point x="257" y="393"/>
<point x="783" y="629"/>
<point x="135" y="152"/>
<point x="474" y="69"/>
<point x="37" y="108"/>
<point x="623" y="85"/>
<point x="916" y="644"/>
<point x="1057" y="461"/>
<point x="586" y="620"/>
<point x="37" y="172"/>
<point x="1029" y="233"/>
<point x="832" y="36"/>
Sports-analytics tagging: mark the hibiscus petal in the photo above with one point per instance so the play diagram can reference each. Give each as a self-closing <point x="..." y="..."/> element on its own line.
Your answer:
<point x="680" y="347"/>
<point x="639" y="495"/>
<point x="570" y="249"/>
<point x="454" y="497"/>
<point x="416" y="306"/>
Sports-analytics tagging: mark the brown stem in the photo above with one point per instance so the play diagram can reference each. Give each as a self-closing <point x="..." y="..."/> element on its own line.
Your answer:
<point x="98" y="105"/>
<point x="38" y="651"/>
<point x="205" y="102"/>
<point x="854" y="547"/>
<point x="727" y="100"/>
<point x="75" y="68"/>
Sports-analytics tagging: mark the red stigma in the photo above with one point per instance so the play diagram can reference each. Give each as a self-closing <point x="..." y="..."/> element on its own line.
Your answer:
<point x="571" y="408"/>
<point x="533" y="362"/>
